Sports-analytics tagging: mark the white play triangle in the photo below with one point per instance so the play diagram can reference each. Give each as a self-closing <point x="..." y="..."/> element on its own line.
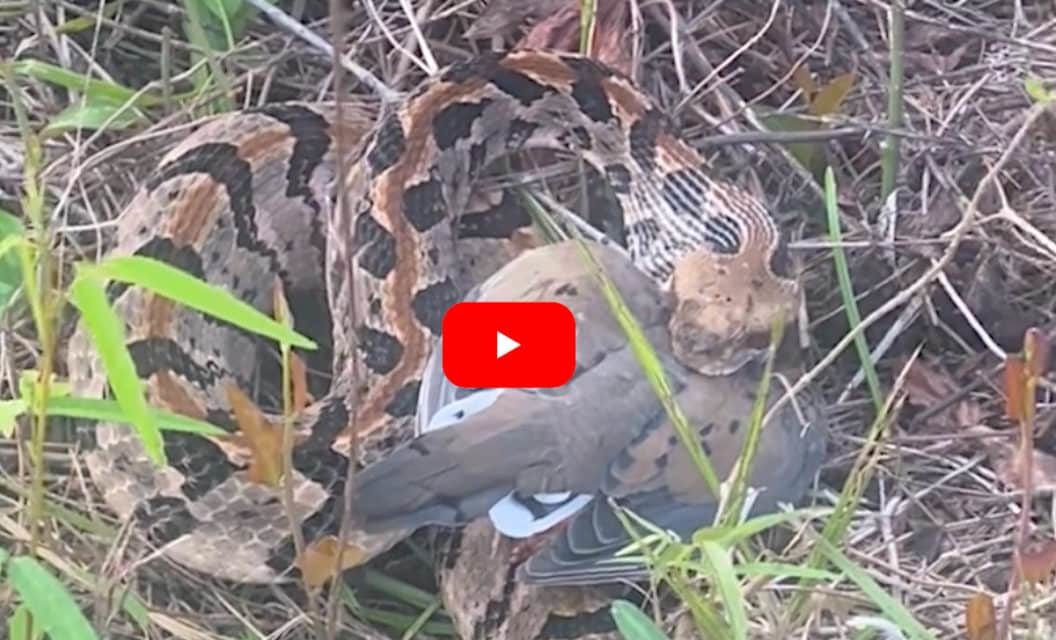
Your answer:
<point x="504" y="344"/>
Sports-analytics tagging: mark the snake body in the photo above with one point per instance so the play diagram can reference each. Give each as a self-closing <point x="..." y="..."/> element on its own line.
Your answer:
<point x="247" y="201"/>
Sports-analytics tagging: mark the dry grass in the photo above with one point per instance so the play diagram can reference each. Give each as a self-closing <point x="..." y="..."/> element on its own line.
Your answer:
<point x="936" y="523"/>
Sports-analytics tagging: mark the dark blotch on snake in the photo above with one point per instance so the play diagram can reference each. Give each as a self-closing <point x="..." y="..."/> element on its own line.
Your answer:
<point x="423" y="205"/>
<point x="432" y="302"/>
<point x="164" y="250"/>
<point x="221" y="162"/>
<point x="455" y="122"/>
<point x="643" y="137"/>
<point x="154" y="354"/>
<point x="519" y="86"/>
<point x="203" y="464"/>
<point x="381" y="351"/>
<point x="500" y="221"/>
<point x="376" y="246"/>
<point x="388" y="144"/>
<point x="587" y="90"/>
<point x="405" y="402"/>
<point x="311" y="135"/>
<point x="164" y="519"/>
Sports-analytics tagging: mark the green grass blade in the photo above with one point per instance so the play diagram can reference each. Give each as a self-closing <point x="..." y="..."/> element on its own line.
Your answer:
<point x="101" y="410"/>
<point x="731" y="512"/>
<point x="850" y="305"/>
<point x="727" y="535"/>
<point x="108" y="334"/>
<point x="90" y="87"/>
<point x="52" y="607"/>
<point x="729" y="588"/>
<point x="20" y="625"/>
<point x="94" y="115"/>
<point x="650" y="365"/>
<point x="888" y="605"/>
<point x="9" y="412"/>
<point x="191" y="292"/>
<point x="782" y="571"/>
<point x="633" y="624"/>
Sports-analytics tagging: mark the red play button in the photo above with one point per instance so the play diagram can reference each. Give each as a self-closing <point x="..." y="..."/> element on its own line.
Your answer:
<point x="509" y="344"/>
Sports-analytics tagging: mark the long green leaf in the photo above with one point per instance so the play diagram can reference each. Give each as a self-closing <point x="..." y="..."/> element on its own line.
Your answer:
<point x="633" y="624"/>
<point x="20" y="625"/>
<point x="650" y="365"/>
<point x="90" y="87"/>
<point x="102" y="410"/>
<point x="94" y="115"/>
<point x="725" y="579"/>
<point x="892" y="608"/>
<point x="189" y="291"/>
<point x="850" y="305"/>
<point x="53" y="608"/>
<point x="107" y="330"/>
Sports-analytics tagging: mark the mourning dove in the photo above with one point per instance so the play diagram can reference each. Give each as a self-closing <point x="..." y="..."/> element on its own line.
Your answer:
<point x="604" y="435"/>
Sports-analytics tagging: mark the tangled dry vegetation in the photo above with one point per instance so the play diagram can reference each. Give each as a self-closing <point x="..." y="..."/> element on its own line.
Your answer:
<point x="947" y="206"/>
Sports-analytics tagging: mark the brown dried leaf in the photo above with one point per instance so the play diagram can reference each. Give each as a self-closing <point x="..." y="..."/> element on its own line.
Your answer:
<point x="263" y="437"/>
<point x="980" y="618"/>
<point x="299" y="381"/>
<point x="927" y="387"/>
<point x="319" y="561"/>
<point x="1015" y="388"/>
<point x="558" y="30"/>
<point x="279" y="303"/>
<point x="1038" y="561"/>
<point x="1036" y="349"/>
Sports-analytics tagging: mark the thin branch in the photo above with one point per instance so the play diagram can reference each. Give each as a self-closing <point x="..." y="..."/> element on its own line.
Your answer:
<point x="280" y="19"/>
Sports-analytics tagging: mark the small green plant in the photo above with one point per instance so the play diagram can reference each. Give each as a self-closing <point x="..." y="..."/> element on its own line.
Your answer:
<point x="40" y="396"/>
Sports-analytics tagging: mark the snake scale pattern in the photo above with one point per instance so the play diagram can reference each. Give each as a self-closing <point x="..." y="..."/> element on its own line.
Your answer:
<point x="248" y="201"/>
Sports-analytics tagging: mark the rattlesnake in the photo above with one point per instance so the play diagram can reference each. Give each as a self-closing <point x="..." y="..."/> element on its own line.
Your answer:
<point x="247" y="199"/>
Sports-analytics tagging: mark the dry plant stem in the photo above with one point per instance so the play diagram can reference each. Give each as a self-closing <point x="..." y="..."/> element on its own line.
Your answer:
<point x="289" y="505"/>
<point x="1015" y="581"/>
<point x="1026" y="457"/>
<point x="955" y="235"/>
<point x="419" y="37"/>
<point x="379" y="21"/>
<point x="895" y="85"/>
<point x="748" y="44"/>
<point x="36" y="275"/>
<point x="341" y="145"/>
<point x="36" y="267"/>
<point x="277" y="16"/>
<point x="404" y="63"/>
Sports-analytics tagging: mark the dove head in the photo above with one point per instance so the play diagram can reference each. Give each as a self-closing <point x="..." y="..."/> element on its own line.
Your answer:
<point x="726" y="304"/>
